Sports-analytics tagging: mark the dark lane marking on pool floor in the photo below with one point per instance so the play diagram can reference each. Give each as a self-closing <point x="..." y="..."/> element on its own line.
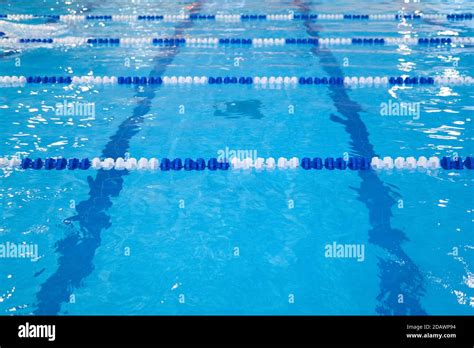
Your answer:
<point x="399" y="276"/>
<point x="78" y="248"/>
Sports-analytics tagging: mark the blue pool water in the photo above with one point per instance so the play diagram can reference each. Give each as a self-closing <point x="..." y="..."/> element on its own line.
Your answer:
<point x="236" y="242"/>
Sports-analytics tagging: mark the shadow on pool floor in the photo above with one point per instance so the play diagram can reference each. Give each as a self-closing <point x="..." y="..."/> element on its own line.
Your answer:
<point x="237" y="109"/>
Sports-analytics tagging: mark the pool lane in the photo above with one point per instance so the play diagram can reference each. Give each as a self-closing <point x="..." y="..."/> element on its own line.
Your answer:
<point x="398" y="274"/>
<point x="76" y="251"/>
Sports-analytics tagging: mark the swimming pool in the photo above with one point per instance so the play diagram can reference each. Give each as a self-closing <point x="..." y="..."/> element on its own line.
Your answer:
<point x="237" y="240"/>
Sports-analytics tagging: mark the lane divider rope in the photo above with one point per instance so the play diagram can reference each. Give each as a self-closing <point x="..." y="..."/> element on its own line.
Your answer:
<point x="270" y="163"/>
<point x="214" y="41"/>
<point x="258" y="81"/>
<point x="239" y="17"/>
